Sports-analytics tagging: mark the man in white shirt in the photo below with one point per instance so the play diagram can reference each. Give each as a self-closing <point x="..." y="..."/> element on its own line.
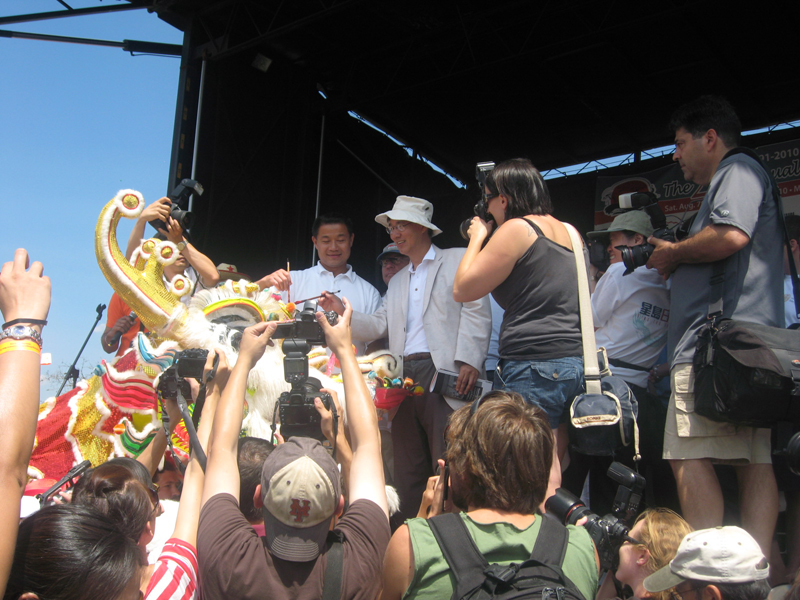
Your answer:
<point x="332" y="236"/>
<point x="431" y="331"/>
<point x="631" y="312"/>
<point x="631" y="316"/>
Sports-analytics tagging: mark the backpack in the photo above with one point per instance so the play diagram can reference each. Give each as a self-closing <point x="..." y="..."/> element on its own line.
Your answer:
<point x="540" y="577"/>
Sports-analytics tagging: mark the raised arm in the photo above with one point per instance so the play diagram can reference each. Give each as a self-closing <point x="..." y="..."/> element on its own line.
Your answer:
<point x="222" y="472"/>
<point x="209" y="276"/>
<point x="338" y="439"/>
<point x="366" y="475"/>
<point x="194" y="478"/>
<point x="484" y="268"/>
<point x="157" y="210"/>
<point x="151" y="456"/>
<point x="24" y="296"/>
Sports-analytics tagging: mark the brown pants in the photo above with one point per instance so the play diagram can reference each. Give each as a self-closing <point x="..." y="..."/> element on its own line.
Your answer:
<point x="418" y="438"/>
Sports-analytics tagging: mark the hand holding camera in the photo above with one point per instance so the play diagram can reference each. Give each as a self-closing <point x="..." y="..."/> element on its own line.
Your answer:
<point x="337" y="332"/>
<point x="479" y="229"/>
<point x="254" y="341"/>
<point x="329" y="423"/>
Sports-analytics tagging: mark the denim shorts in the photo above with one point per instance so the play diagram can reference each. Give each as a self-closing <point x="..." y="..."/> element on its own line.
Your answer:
<point x="550" y="384"/>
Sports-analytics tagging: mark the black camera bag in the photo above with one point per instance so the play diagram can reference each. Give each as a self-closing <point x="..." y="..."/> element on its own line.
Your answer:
<point x="747" y="373"/>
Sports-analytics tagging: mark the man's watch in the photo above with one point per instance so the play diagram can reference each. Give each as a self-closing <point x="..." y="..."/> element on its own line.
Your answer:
<point x="21" y="332"/>
<point x="180" y="246"/>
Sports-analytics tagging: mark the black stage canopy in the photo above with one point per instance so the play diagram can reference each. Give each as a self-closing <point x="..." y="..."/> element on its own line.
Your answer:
<point x="456" y="82"/>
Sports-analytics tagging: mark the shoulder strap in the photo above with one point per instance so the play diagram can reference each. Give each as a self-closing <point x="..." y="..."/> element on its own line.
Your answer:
<point x="591" y="369"/>
<point x="332" y="582"/>
<point x="551" y="548"/>
<point x="551" y="545"/>
<point x="459" y="550"/>
<point x="536" y="228"/>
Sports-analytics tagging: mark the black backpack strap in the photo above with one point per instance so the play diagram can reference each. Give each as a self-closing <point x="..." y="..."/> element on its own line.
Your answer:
<point x="551" y="548"/>
<point x="332" y="582"/>
<point x="466" y="562"/>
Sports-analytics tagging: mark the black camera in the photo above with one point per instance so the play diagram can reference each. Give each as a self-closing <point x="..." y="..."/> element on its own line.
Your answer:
<point x="179" y="209"/>
<point x="481" y="209"/>
<point x="637" y="256"/>
<point x="609" y="532"/>
<point x="188" y="363"/>
<point x="305" y="327"/>
<point x="598" y="254"/>
<point x="298" y="416"/>
<point x="297" y="413"/>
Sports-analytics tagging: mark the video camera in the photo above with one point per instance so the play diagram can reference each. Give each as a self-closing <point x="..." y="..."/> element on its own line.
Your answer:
<point x="637" y="256"/>
<point x="481" y="209"/>
<point x="609" y="532"/>
<point x="179" y="209"/>
<point x="298" y="417"/>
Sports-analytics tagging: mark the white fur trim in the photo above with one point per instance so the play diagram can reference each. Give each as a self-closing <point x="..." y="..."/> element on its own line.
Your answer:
<point x="130" y="213"/>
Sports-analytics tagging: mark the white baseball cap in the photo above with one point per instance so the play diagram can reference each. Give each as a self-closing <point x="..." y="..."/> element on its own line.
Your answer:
<point x="718" y="555"/>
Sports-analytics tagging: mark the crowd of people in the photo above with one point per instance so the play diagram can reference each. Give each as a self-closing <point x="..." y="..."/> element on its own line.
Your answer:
<point x="250" y="518"/>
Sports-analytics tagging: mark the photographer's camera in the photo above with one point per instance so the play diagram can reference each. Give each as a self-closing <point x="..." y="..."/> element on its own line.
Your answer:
<point x="298" y="415"/>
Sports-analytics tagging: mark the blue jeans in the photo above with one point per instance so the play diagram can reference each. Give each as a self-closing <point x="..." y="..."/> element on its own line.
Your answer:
<point x="549" y="384"/>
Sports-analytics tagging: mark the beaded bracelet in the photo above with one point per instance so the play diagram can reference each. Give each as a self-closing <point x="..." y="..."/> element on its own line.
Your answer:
<point x="12" y="345"/>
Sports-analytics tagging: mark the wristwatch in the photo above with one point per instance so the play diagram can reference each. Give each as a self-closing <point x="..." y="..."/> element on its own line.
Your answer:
<point x="21" y="332"/>
<point x="181" y="245"/>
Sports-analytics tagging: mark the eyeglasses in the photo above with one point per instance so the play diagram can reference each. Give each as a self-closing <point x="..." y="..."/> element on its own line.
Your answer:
<point x="157" y="508"/>
<point x="153" y="489"/>
<point x="488" y="197"/>
<point x="399" y="228"/>
<point x="675" y="595"/>
<point x="394" y="260"/>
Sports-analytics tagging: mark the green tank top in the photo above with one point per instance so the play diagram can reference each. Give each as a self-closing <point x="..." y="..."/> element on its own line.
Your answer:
<point x="500" y="543"/>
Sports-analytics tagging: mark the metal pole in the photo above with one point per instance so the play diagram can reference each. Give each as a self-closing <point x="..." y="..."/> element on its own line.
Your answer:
<point x="197" y="125"/>
<point x="319" y="183"/>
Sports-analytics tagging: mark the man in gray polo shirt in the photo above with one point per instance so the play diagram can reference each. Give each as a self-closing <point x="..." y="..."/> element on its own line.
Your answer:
<point x="737" y="223"/>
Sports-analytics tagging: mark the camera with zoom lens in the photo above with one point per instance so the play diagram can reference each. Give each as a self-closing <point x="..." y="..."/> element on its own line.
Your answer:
<point x="609" y="532"/>
<point x="298" y="416"/>
<point x="305" y="327"/>
<point x="187" y="363"/>
<point x="297" y="413"/>
<point x="637" y="256"/>
<point x="179" y="209"/>
<point x="481" y="209"/>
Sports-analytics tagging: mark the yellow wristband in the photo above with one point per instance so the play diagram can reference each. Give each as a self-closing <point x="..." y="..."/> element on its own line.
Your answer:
<point x="12" y="345"/>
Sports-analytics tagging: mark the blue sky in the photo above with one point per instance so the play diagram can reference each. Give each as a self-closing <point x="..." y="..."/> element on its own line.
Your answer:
<point x="78" y="123"/>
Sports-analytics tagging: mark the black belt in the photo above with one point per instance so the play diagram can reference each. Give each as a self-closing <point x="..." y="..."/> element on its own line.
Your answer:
<point x="417" y="356"/>
<point x="626" y="365"/>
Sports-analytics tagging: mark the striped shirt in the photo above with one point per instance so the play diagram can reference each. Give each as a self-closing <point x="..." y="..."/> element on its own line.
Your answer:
<point x="175" y="575"/>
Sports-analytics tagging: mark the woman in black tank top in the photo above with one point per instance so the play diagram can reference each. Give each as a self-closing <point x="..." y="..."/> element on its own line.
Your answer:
<point x="528" y="266"/>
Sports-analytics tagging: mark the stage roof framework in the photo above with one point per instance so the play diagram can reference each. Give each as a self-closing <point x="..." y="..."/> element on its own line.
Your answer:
<point x="455" y="82"/>
<point x="559" y="82"/>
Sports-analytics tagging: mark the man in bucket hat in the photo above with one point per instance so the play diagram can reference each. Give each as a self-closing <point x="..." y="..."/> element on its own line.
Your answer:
<point x="299" y="495"/>
<point x="631" y="317"/>
<point x="723" y="563"/>
<point x="431" y="331"/>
